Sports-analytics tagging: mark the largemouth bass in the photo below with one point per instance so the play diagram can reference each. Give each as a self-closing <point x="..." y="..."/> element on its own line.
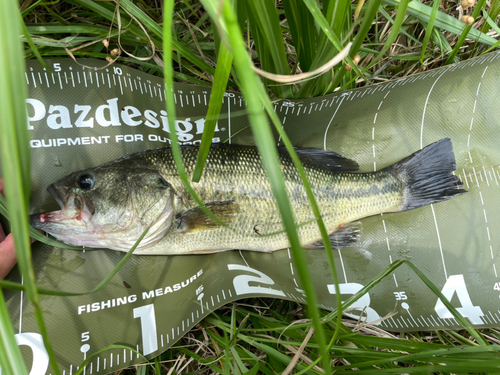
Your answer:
<point x="110" y="206"/>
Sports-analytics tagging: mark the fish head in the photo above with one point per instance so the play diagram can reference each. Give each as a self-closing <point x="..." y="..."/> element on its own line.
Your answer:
<point x="109" y="207"/>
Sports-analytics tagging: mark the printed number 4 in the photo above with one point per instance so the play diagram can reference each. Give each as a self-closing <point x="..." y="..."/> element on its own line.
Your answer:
<point x="456" y="284"/>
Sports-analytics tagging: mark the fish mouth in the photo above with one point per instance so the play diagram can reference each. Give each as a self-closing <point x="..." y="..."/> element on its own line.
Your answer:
<point x="74" y="208"/>
<point x="58" y="195"/>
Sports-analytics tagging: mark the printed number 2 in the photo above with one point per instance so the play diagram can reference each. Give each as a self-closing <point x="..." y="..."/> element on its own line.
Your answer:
<point x="242" y="282"/>
<point x="361" y="304"/>
<point x="456" y="284"/>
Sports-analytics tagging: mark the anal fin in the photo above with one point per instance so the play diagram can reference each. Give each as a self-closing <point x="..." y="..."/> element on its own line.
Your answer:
<point x="345" y="236"/>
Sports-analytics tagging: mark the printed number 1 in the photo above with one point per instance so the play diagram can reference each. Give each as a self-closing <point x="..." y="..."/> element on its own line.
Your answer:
<point x="148" y="328"/>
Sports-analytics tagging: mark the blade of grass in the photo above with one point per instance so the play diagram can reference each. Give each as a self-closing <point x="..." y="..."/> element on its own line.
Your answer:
<point x="316" y="212"/>
<point x="494" y="26"/>
<point x="430" y="28"/>
<point x="320" y="19"/>
<point x="303" y="32"/>
<point x="11" y="360"/>
<point x="170" y="104"/>
<point x="387" y="16"/>
<point x="101" y="285"/>
<point x="479" y="6"/>
<point x="266" y="31"/>
<point x="441" y="41"/>
<point x="335" y="15"/>
<point x="396" y="28"/>
<point x="157" y="30"/>
<point x="157" y="366"/>
<point x="444" y="21"/>
<point x="34" y="49"/>
<point x="14" y="145"/>
<point x="269" y="350"/>
<point x="425" y="356"/>
<point x="96" y="353"/>
<point x="490" y="22"/>
<point x="33" y="6"/>
<point x="206" y="361"/>
<point x="33" y="232"/>
<point x="250" y="85"/>
<point x="386" y="272"/>
<point x="366" y="25"/>
<point x="149" y="24"/>
<point x="224" y="62"/>
<point x="460" y="319"/>
<point x="493" y="13"/>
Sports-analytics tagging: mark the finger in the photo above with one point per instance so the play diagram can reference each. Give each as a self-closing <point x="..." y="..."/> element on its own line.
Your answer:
<point x="2" y="187"/>
<point x="2" y="233"/>
<point x="34" y="239"/>
<point x="7" y="256"/>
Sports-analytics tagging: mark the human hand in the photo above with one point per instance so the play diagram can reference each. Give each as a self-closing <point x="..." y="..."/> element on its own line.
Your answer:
<point x="7" y="252"/>
<point x="8" y="257"/>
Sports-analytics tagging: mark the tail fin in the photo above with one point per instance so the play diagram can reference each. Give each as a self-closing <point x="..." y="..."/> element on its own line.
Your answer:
<point x="427" y="177"/>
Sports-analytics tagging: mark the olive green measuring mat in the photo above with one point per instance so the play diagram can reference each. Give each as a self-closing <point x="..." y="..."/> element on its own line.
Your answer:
<point x="78" y="119"/>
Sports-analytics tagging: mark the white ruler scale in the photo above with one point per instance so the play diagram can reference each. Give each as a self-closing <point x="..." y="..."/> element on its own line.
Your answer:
<point x="81" y="117"/>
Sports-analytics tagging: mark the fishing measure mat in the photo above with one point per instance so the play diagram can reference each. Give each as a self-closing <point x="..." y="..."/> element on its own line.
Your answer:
<point x="81" y="117"/>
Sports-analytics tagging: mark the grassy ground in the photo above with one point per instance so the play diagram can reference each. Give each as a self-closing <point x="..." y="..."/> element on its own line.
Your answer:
<point x="202" y="41"/>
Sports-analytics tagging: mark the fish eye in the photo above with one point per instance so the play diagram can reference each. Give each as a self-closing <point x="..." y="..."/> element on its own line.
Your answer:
<point x="86" y="181"/>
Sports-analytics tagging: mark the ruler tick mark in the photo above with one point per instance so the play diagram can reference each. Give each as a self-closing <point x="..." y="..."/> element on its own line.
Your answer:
<point x="120" y="82"/>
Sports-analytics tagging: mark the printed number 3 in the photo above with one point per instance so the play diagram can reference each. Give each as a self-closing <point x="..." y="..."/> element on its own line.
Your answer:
<point x="361" y="304"/>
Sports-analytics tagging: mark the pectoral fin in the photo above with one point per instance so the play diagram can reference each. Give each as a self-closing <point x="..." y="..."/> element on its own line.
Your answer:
<point x="196" y="219"/>
<point x="344" y="236"/>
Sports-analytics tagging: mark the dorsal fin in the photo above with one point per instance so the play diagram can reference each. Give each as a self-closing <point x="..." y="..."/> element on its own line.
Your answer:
<point x="323" y="159"/>
<point x="312" y="157"/>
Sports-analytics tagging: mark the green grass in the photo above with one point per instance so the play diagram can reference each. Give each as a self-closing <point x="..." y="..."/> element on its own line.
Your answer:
<point x="216" y="45"/>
